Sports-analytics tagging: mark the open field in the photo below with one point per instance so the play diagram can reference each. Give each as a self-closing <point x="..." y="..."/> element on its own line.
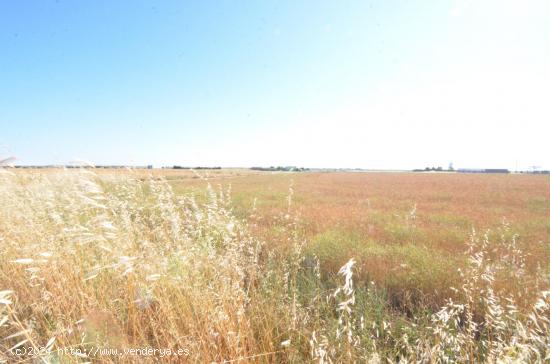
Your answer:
<point x="235" y="265"/>
<point x="406" y="230"/>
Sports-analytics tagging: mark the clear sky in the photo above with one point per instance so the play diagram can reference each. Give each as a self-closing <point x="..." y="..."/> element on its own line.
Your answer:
<point x="372" y="84"/>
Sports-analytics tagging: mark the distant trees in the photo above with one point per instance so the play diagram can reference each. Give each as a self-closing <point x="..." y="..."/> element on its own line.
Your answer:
<point x="433" y="169"/>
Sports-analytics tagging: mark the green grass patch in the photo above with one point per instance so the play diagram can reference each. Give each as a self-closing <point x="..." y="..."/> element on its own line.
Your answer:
<point x="409" y="272"/>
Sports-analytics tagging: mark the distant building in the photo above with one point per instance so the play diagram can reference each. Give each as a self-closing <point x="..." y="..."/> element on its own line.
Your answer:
<point x="280" y="169"/>
<point x="497" y="170"/>
<point x="482" y="170"/>
<point x="470" y="170"/>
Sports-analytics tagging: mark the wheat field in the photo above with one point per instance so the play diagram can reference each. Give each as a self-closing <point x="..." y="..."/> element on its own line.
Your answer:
<point x="235" y="266"/>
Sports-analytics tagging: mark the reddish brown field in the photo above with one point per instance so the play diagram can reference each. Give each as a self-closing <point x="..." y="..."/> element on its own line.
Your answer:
<point x="407" y="230"/>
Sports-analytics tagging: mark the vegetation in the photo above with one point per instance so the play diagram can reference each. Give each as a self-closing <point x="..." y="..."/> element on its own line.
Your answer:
<point x="267" y="273"/>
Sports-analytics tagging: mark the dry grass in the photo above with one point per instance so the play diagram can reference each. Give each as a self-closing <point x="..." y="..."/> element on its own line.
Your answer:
<point x="407" y="231"/>
<point x="101" y="259"/>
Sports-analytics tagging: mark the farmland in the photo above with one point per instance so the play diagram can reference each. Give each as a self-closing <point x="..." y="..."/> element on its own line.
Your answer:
<point x="275" y="267"/>
<point x="401" y="227"/>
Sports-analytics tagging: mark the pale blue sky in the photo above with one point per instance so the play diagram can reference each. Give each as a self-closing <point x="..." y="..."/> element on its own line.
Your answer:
<point x="372" y="84"/>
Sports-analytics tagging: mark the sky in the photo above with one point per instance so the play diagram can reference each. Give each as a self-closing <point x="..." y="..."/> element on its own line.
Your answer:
<point x="349" y="84"/>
